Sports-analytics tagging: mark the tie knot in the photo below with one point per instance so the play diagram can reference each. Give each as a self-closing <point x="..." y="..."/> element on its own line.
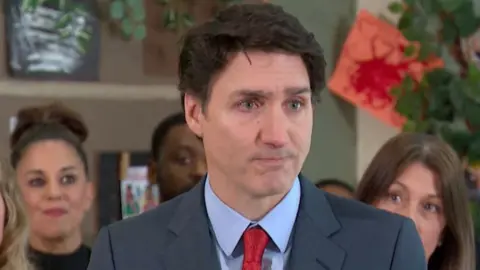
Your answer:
<point x="255" y="241"/>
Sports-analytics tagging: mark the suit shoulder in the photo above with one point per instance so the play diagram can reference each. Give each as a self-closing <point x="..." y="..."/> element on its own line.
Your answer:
<point x="348" y="209"/>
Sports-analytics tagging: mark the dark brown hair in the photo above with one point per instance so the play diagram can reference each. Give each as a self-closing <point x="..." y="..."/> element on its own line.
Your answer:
<point x="48" y="122"/>
<point x="208" y="47"/>
<point x="457" y="251"/>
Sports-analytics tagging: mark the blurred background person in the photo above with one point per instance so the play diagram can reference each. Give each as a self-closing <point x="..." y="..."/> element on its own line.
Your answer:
<point x="337" y="187"/>
<point x="14" y="228"/>
<point x="177" y="157"/>
<point x="421" y="177"/>
<point x="51" y="169"/>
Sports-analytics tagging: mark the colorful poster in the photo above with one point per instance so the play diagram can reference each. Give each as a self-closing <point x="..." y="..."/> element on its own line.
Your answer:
<point x="373" y="61"/>
<point x="138" y="195"/>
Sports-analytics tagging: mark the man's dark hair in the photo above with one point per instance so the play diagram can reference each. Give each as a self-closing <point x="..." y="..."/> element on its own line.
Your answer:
<point x="161" y="132"/>
<point x="334" y="182"/>
<point x="241" y="28"/>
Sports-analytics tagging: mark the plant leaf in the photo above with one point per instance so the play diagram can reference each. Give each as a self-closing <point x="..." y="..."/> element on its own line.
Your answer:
<point x="117" y="10"/>
<point x="458" y="140"/>
<point x="449" y="32"/>
<point x="138" y="13"/>
<point x="474" y="150"/>
<point x="134" y="3"/>
<point x="413" y="33"/>
<point x="405" y="20"/>
<point x="473" y="74"/>
<point x="458" y="97"/>
<point x="140" y="32"/>
<point x="396" y="7"/>
<point x="64" y="21"/>
<point x="430" y="7"/>
<point x="450" y="5"/>
<point x="127" y="27"/>
<point x="472" y="115"/>
<point x="410" y="105"/>
<point x="83" y="43"/>
<point x="465" y="19"/>
<point x="410" y="50"/>
<point x="409" y="126"/>
<point x="396" y="92"/>
<point x="187" y="20"/>
<point x="439" y="105"/>
<point x="170" y="19"/>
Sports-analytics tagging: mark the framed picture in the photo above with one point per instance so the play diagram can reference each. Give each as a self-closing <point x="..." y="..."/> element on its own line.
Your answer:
<point x="137" y="194"/>
<point x="38" y="50"/>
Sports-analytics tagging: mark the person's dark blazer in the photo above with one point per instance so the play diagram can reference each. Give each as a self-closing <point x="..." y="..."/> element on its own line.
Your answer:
<point x="330" y="233"/>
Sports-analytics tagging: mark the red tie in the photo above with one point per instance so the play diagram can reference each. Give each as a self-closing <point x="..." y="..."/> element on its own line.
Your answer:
<point x="254" y="243"/>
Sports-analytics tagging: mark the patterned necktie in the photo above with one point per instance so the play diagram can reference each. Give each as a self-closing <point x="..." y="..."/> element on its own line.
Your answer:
<point x="254" y="243"/>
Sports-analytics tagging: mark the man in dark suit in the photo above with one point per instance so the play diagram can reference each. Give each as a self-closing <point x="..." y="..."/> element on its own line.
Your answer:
<point x="251" y="78"/>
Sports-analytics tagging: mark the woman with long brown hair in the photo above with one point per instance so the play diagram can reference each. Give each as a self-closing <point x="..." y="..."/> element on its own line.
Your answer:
<point x="421" y="177"/>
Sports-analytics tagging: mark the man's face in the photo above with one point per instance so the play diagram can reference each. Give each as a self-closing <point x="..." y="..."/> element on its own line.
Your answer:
<point x="181" y="163"/>
<point x="257" y="124"/>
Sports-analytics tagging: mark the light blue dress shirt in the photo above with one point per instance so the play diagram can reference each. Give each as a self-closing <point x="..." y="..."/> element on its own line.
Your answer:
<point x="228" y="227"/>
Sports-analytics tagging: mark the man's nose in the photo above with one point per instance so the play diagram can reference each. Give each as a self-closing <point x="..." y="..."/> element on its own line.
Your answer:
<point x="274" y="129"/>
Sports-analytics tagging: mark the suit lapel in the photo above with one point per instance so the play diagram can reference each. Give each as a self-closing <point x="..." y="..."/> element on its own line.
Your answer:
<point x="312" y="248"/>
<point x="192" y="246"/>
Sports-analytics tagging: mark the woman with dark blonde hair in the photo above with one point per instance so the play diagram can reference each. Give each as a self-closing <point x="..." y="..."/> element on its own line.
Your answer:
<point x="14" y="228"/>
<point x="51" y="169"/>
<point x="421" y="177"/>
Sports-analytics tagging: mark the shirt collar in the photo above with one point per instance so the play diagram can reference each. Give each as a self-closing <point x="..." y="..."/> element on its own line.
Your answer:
<point x="228" y="225"/>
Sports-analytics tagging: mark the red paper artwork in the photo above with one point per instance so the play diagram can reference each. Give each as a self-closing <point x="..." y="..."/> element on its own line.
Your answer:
<point x="371" y="63"/>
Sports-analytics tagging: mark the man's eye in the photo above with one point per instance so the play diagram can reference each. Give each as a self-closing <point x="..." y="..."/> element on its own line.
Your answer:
<point x="248" y="105"/>
<point x="295" y="105"/>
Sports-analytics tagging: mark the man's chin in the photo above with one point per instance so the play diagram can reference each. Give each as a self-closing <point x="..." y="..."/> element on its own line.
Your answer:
<point x="272" y="187"/>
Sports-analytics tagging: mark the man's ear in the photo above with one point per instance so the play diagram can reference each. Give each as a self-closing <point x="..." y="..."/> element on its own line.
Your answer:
<point x="193" y="114"/>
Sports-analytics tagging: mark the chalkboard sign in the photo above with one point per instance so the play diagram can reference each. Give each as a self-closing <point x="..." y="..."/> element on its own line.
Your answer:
<point x="37" y="50"/>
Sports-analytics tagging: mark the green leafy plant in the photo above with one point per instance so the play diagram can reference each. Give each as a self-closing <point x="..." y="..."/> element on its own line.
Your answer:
<point x="174" y="18"/>
<point x="130" y="15"/>
<point x="71" y="24"/>
<point x="446" y="102"/>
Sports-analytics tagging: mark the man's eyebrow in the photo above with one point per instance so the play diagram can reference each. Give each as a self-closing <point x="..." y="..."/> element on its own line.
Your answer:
<point x="290" y="91"/>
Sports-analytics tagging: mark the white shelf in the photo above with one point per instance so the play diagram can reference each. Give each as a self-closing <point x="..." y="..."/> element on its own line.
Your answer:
<point x="87" y="90"/>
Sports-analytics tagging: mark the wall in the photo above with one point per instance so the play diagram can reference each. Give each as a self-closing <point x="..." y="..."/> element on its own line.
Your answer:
<point x="333" y="151"/>
<point x="371" y="133"/>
